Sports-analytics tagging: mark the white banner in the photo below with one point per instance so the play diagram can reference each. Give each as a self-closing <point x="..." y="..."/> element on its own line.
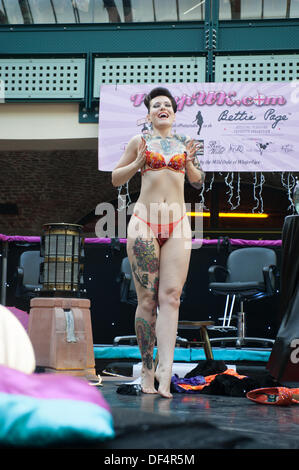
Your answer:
<point x="240" y="126"/>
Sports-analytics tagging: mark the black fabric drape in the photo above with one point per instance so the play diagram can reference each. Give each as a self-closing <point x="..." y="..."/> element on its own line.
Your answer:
<point x="280" y="365"/>
<point x="290" y="265"/>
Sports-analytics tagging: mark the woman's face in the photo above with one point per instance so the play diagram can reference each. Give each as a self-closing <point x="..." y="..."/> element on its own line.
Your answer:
<point x="161" y="112"/>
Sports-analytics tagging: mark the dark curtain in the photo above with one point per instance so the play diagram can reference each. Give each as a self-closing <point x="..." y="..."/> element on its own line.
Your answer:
<point x="280" y="364"/>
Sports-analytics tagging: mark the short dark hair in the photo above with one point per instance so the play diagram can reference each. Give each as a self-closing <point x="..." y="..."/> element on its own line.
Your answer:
<point x="159" y="91"/>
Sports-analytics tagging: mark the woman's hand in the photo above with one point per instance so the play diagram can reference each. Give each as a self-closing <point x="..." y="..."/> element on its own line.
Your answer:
<point x="130" y="162"/>
<point x="141" y="154"/>
<point x="194" y="171"/>
<point x="191" y="149"/>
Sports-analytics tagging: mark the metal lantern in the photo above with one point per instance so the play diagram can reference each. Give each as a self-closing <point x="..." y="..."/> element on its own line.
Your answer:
<point x="62" y="249"/>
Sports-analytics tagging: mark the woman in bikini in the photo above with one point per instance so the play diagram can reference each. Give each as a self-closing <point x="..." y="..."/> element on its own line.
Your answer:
<point x="159" y="233"/>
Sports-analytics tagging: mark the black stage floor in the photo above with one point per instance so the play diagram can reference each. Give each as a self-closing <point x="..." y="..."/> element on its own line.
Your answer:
<point x="197" y="421"/>
<point x="190" y="428"/>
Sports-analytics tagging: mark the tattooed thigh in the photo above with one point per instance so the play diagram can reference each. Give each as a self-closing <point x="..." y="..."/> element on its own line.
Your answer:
<point x="145" y="265"/>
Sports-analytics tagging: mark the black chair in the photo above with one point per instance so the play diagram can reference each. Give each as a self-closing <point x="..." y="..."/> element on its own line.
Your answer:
<point x="127" y="295"/>
<point x="28" y="274"/>
<point x="251" y="274"/>
<point x="127" y="287"/>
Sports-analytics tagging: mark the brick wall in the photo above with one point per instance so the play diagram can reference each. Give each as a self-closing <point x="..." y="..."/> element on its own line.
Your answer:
<point x="66" y="186"/>
<point x="54" y="186"/>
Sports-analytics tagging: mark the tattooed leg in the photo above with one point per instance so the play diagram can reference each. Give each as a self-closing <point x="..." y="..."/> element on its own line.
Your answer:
<point x="145" y="267"/>
<point x="146" y="337"/>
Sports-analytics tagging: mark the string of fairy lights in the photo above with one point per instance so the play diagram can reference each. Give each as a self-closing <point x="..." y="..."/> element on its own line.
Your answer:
<point x="233" y="183"/>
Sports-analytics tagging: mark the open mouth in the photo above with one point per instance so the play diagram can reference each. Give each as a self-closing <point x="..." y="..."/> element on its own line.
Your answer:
<point x="163" y="115"/>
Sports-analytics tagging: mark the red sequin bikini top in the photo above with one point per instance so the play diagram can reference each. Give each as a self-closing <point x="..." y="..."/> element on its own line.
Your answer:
<point x="156" y="161"/>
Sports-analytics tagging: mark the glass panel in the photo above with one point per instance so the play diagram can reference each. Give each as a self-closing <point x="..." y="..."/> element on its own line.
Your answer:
<point x="251" y="9"/>
<point x="75" y="273"/>
<point x="41" y="11"/>
<point x="99" y="11"/>
<point x="140" y="12"/>
<point x="191" y="10"/>
<point x="64" y="11"/>
<point x="257" y="9"/>
<point x="294" y="9"/>
<point x="107" y="11"/>
<point x="275" y="8"/>
<point x="104" y="12"/>
<point x="52" y="246"/>
<point x="13" y="11"/>
<point x="166" y="10"/>
<point x="225" y="12"/>
<point x="3" y="15"/>
<point x="84" y="11"/>
<point x="58" y="273"/>
<point x="120" y="11"/>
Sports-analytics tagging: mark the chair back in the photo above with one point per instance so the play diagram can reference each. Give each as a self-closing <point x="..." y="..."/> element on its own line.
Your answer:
<point x="127" y="288"/>
<point x="128" y="293"/>
<point x="30" y="262"/>
<point x="126" y="270"/>
<point x="246" y="264"/>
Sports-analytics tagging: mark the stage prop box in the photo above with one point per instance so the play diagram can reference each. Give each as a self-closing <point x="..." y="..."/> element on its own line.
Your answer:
<point x="61" y="334"/>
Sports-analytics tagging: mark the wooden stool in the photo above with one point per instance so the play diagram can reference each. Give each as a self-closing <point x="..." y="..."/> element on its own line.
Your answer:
<point x="202" y="327"/>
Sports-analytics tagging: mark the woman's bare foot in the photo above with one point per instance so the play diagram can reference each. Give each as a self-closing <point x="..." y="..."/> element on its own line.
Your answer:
<point x="147" y="381"/>
<point x="164" y="379"/>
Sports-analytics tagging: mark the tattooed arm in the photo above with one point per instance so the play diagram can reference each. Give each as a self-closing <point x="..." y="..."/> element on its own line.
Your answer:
<point x="130" y="162"/>
<point x="195" y="174"/>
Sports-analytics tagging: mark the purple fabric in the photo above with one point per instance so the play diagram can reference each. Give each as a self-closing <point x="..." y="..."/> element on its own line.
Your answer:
<point x="242" y="242"/>
<point x="104" y="241"/>
<point x="49" y="386"/>
<point x="233" y="241"/>
<point x="18" y="238"/>
<point x="176" y="381"/>
<point x="22" y="316"/>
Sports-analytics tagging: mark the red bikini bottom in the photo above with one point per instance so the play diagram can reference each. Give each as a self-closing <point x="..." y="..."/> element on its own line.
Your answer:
<point x="161" y="231"/>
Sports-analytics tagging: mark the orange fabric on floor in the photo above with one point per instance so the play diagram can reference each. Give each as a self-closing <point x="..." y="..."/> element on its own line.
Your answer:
<point x="210" y="378"/>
